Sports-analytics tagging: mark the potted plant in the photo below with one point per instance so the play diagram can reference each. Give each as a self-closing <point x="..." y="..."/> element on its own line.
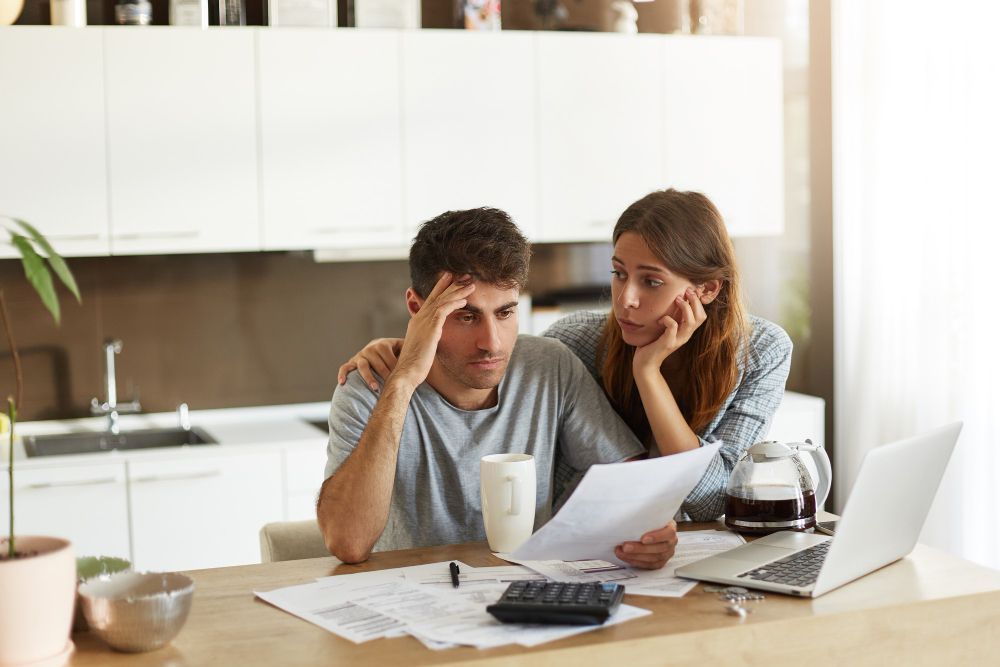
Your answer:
<point x="37" y="574"/>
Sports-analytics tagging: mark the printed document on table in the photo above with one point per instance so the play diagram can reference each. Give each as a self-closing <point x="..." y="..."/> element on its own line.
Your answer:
<point x="692" y="545"/>
<point x="369" y="605"/>
<point x="577" y="571"/>
<point x="329" y="604"/>
<point x="436" y="615"/>
<point x="333" y="612"/>
<point x="616" y="503"/>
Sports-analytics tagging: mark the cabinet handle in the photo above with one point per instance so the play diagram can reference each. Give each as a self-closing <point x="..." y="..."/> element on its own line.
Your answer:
<point x="157" y="235"/>
<point x="178" y="476"/>
<point x="377" y="229"/>
<point x="82" y="482"/>
<point x="74" y="237"/>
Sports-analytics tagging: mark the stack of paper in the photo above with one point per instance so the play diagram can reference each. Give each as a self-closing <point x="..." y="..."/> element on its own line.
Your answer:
<point x="421" y="601"/>
<point x="691" y="546"/>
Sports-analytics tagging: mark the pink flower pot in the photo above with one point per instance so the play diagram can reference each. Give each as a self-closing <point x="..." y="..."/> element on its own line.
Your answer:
<point x="36" y="600"/>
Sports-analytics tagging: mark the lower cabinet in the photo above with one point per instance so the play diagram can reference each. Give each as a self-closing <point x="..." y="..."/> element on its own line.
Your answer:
<point x="86" y="504"/>
<point x="304" y="470"/>
<point x="203" y="512"/>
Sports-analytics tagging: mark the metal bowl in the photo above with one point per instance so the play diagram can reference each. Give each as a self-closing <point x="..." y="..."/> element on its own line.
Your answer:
<point x="137" y="611"/>
<point x="88" y="567"/>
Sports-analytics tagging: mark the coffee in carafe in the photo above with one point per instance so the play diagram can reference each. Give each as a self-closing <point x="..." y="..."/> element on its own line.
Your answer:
<point x="771" y="509"/>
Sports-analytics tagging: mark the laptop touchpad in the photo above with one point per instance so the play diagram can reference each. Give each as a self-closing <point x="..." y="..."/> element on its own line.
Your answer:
<point x="756" y="553"/>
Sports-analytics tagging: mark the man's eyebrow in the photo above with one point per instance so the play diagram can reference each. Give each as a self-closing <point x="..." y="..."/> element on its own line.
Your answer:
<point x="475" y="310"/>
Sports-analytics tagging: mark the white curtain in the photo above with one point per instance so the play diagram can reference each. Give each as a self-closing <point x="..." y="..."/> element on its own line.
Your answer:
<point x="916" y="150"/>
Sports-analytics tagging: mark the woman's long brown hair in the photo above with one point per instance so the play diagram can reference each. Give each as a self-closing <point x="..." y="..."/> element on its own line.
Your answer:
<point x="686" y="232"/>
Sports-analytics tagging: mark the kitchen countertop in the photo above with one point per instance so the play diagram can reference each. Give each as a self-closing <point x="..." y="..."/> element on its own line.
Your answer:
<point x="233" y="429"/>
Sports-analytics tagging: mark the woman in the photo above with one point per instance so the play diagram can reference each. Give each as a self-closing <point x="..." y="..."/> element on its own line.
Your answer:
<point x="677" y="356"/>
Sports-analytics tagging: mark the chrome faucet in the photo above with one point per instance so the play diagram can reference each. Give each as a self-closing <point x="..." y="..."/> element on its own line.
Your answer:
<point x="110" y="407"/>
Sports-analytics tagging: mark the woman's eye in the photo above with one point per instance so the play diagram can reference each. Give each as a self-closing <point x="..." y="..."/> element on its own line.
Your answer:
<point x="653" y="282"/>
<point x="617" y="275"/>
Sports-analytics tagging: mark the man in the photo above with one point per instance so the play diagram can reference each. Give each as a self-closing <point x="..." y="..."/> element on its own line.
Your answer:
<point x="403" y="460"/>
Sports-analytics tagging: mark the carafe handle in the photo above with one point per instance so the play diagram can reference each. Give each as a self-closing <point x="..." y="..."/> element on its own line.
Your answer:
<point x="823" y="467"/>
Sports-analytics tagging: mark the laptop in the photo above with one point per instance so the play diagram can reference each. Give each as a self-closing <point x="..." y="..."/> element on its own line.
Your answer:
<point x="882" y="519"/>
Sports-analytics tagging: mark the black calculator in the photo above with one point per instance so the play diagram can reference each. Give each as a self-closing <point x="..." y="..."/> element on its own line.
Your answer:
<point x="557" y="602"/>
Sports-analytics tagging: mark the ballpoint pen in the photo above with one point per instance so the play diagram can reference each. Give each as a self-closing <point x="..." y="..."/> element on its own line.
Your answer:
<point x="454" y="574"/>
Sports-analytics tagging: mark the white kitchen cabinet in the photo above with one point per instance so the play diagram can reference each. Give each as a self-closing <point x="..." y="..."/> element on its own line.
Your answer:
<point x="182" y="139"/>
<point x="600" y="130"/>
<point x="723" y="127"/>
<point x="304" y="468"/>
<point x="52" y="159"/>
<point x="469" y="124"/>
<point x="330" y="138"/>
<point x="203" y="511"/>
<point x="86" y="504"/>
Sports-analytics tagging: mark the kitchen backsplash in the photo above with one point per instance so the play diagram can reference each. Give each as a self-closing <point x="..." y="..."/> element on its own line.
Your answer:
<point x="215" y="330"/>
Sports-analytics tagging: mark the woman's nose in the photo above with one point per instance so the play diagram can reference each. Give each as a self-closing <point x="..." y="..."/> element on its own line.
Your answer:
<point x="628" y="297"/>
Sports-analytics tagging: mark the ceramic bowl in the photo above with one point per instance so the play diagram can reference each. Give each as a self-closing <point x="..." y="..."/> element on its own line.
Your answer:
<point x="137" y="611"/>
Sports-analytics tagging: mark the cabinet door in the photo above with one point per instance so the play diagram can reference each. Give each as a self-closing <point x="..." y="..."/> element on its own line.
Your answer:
<point x="304" y="470"/>
<point x="182" y="140"/>
<point x="52" y="159"/>
<point x="469" y="124"/>
<point x="86" y="504"/>
<point x="600" y="130"/>
<point x="330" y="138"/>
<point x="723" y="132"/>
<point x="203" y="511"/>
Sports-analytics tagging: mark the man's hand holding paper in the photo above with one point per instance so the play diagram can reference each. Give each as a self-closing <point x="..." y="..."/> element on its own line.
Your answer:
<point x="613" y="504"/>
<point x="653" y="549"/>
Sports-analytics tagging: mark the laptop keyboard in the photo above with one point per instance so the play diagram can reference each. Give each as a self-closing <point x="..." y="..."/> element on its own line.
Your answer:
<point x="800" y="569"/>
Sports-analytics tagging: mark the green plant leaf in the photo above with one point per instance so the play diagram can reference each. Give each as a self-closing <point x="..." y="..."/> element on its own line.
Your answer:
<point x="37" y="274"/>
<point x="55" y="260"/>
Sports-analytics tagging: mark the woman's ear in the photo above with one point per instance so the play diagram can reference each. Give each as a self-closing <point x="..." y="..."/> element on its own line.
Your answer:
<point x="710" y="290"/>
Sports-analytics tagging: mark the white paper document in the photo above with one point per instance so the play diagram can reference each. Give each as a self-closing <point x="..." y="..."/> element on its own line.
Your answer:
<point x="616" y="503"/>
<point x="331" y="611"/>
<point x="422" y="602"/>
<point x="692" y="545"/>
<point x="578" y="571"/>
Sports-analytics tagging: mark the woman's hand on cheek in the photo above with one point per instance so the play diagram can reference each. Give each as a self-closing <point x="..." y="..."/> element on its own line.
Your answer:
<point x="651" y="356"/>
<point x="689" y="314"/>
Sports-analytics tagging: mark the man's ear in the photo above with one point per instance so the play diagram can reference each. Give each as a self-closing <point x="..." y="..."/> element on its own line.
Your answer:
<point x="710" y="290"/>
<point x="413" y="301"/>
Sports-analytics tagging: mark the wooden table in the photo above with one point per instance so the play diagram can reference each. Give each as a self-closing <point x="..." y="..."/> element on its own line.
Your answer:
<point x="929" y="608"/>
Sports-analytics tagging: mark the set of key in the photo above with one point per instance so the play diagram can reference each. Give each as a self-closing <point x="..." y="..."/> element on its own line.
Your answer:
<point x="735" y="596"/>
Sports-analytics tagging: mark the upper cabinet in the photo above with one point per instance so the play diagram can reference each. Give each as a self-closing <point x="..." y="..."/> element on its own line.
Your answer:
<point x="599" y="130"/>
<point x="52" y="159"/>
<point x="723" y="127"/>
<point x="331" y="169"/>
<point x="469" y="133"/>
<point x="182" y="140"/>
<point x="136" y="140"/>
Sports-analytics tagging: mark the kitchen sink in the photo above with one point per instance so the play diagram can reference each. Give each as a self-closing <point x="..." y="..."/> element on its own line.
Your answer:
<point x="83" y="443"/>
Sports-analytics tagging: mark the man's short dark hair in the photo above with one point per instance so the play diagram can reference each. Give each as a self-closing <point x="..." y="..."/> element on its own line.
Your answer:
<point x="482" y="242"/>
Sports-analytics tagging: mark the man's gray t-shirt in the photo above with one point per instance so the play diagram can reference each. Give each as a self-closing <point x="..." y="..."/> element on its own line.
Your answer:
<point x="546" y="400"/>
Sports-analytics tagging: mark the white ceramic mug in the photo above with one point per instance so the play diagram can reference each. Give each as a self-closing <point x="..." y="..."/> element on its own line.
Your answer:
<point x="507" y="490"/>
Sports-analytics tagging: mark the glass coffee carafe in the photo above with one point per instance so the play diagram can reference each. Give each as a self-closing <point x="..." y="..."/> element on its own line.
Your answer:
<point x="771" y="488"/>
